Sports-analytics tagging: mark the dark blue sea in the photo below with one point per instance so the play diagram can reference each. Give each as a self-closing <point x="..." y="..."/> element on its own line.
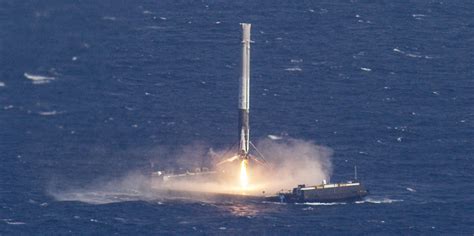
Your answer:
<point x="92" y="92"/>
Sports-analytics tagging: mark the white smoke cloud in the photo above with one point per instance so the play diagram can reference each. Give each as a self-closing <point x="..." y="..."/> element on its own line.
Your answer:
<point x="292" y="162"/>
<point x="289" y="162"/>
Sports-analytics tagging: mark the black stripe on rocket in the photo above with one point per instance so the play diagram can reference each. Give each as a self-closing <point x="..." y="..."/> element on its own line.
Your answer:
<point x="244" y="132"/>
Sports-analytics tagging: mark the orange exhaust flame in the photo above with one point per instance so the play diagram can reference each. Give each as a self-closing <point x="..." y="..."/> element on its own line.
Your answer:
<point x="244" y="179"/>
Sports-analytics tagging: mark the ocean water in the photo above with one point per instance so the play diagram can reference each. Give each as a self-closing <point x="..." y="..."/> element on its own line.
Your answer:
<point x="92" y="92"/>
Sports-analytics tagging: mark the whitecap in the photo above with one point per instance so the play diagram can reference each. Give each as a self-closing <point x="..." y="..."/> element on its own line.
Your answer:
<point x="321" y="203"/>
<point x="48" y="113"/>
<point x="15" y="223"/>
<point x="274" y="137"/>
<point x="365" y="69"/>
<point x="153" y="27"/>
<point x="293" y="69"/>
<point x="120" y="219"/>
<point x="296" y="60"/>
<point x="276" y="203"/>
<point x="12" y="222"/>
<point x="38" y="79"/>
<point x="418" y="16"/>
<point x="411" y="190"/>
<point x="397" y="50"/>
<point x="413" y="55"/>
<point x="2" y="84"/>
<point x="379" y="201"/>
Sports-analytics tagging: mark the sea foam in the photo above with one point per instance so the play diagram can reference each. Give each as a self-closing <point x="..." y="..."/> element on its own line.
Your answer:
<point x="38" y="79"/>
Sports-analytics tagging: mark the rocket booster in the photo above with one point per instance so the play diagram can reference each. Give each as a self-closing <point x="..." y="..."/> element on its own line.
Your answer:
<point x="244" y="94"/>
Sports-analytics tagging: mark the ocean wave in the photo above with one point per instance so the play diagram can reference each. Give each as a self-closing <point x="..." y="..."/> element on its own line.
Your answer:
<point x="413" y="55"/>
<point x="13" y="222"/>
<point x="379" y="201"/>
<point x="38" y="79"/>
<point x="152" y="27"/>
<point x="276" y="203"/>
<point x="296" y="60"/>
<point x="418" y="16"/>
<point x="411" y="190"/>
<point x="321" y="203"/>
<point x="293" y="69"/>
<point x="49" y="113"/>
<point x="274" y="137"/>
<point x="101" y="197"/>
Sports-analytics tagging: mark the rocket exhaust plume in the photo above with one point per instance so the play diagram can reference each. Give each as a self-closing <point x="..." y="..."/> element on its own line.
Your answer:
<point x="244" y="179"/>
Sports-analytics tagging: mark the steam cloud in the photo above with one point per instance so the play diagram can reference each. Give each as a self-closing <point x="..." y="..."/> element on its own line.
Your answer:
<point x="293" y="162"/>
<point x="289" y="162"/>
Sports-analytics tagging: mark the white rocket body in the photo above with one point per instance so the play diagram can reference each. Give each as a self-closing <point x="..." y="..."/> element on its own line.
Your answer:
<point x="244" y="94"/>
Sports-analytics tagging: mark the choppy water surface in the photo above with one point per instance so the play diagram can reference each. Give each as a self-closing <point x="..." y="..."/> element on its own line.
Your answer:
<point x="93" y="91"/>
